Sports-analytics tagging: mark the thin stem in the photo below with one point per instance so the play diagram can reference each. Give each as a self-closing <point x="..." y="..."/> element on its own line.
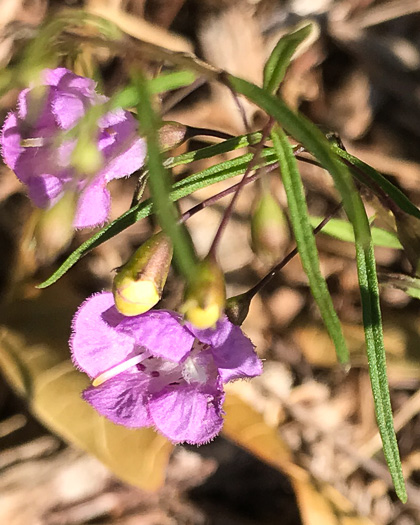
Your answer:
<point x="228" y="212"/>
<point x="265" y="280"/>
<point x="193" y="132"/>
<point x="214" y="198"/>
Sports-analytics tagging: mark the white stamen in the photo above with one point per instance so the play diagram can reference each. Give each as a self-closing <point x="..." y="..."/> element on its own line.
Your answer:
<point x="115" y="370"/>
<point x="36" y="142"/>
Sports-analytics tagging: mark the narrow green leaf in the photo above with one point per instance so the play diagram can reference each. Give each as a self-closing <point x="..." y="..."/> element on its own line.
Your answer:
<point x="372" y="321"/>
<point x="172" y="80"/>
<point x="392" y="191"/>
<point x="217" y="173"/>
<point x="159" y="182"/>
<point x="305" y="240"/>
<point x="279" y="60"/>
<point x="313" y="140"/>
<point x="242" y="141"/>
<point x="343" y="230"/>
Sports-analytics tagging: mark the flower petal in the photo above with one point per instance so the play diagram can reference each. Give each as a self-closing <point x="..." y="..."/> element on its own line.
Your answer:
<point x="93" y="206"/>
<point x="233" y="352"/>
<point x="161" y="333"/>
<point x="67" y="108"/>
<point x="66" y="80"/>
<point x="44" y="189"/>
<point x="10" y="139"/>
<point x="96" y="344"/>
<point x="124" y="151"/>
<point x="186" y="414"/>
<point x="122" y="399"/>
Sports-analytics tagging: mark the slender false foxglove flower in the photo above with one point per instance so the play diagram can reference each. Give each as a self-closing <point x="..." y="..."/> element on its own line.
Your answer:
<point x="151" y="370"/>
<point x="32" y="147"/>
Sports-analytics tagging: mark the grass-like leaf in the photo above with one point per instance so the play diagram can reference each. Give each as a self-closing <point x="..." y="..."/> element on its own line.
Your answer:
<point x="313" y="140"/>
<point x="360" y="168"/>
<point x="279" y="60"/>
<point x="160" y="185"/>
<point x="305" y="240"/>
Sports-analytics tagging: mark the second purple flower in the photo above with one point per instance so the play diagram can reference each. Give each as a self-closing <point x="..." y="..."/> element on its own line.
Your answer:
<point x="31" y="147"/>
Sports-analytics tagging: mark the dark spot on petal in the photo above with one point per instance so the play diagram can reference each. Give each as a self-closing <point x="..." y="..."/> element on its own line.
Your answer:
<point x="155" y="373"/>
<point x="140" y="367"/>
<point x="174" y="383"/>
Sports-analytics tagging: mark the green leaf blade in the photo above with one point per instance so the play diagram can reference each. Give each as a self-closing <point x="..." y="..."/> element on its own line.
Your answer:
<point x="369" y="291"/>
<point x="279" y="60"/>
<point x="159" y="182"/>
<point x="305" y="241"/>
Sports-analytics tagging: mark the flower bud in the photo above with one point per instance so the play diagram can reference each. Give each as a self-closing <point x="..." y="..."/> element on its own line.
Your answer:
<point x="171" y="135"/>
<point x="408" y="231"/>
<point x="138" y="284"/>
<point x="237" y="308"/>
<point x="205" y="295"/>
<point x="54" y="230"/>
<point x="269" y="230"/>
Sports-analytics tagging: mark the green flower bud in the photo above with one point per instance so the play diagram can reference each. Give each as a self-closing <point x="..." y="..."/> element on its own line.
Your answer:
<point x="171" y="135"/>
<point x="53" y="229"/>
<point x="205" y="295"/>
<point x="237" y="308"/>
<point x="269" y="229"/>
<point x="138" y="284"/>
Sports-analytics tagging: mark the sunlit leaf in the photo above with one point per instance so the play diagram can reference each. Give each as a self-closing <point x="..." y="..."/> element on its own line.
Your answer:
<point x="305" y="240"/>
<point x="343" y="231"/>
<point x="279" y="60"/>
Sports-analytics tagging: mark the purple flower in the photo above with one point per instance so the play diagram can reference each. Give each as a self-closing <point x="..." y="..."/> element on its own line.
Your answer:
<point x="151" y="370"/>
<point x="31" y="147"/>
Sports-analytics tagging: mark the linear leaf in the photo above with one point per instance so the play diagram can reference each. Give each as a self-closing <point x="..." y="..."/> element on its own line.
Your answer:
<point x="305" y="240"/>
<point x="279" y="60"/>
<point x="313" y="140"/>
<point x="159" y="183"/>
<point x="390" y="189"/>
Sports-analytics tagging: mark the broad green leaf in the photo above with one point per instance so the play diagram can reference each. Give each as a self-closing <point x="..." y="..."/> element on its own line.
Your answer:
<point x="34" y="358"/>
<point x="159" y="183"/>
<point x="219" y="172"/>
<point x="343" y="230"/>
<point x="279" y="60"/>
<point x="313" y="140"/>
<point x="305" y="240"/>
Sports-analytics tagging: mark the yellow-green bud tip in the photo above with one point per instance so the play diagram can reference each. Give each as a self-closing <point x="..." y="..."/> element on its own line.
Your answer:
<point x="138" y="285"/>
<point x="135" y="297"/>
<point x="205" y="295"/>
<point x="202" y="317"/>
